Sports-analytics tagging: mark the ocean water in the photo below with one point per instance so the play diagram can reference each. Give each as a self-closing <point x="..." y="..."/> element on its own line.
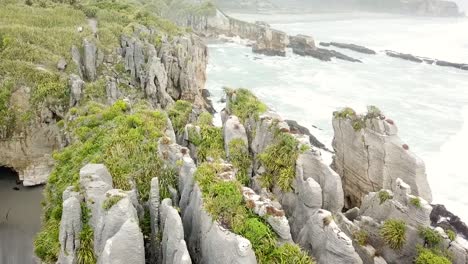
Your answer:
<point x="428" y="103"/>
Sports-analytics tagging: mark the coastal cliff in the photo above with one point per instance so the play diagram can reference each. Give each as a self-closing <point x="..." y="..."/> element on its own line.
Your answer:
<point x="119" y="128"/>
<point x="251" y="191"/>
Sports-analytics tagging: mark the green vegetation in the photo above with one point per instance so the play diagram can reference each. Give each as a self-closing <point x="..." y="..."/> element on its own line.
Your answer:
<point x="346" y="112"/>
<point x="205" y="119"/>
<point x="451" y="234"/>
<point x="245" y="105"/>
<point x="393" y="233"/>
<point x="179" y="114"/>
<point x="431" y="237"/>
<point x="7" y="114"/>
<point x="358" y="121"/>
<point x="224" y="201"/>
<point x="209" y="142"/>
<point x="428" y="256"/>
<point x="111" y="201"/>
<point x="416" y="202"/>
<point x="240" y="158"/>
<point x="361" y="237"/>
<point x="279" y="161"/>
<point x="384" y="196"/>
<point x="124" y="141"/>
<point x="85" y="253"/>
<point x="145" y="224"/>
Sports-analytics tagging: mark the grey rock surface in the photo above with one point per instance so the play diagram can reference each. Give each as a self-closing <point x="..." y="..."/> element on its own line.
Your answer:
<point x="372" y="158"/>
<point x="70" y="226"/>
<point x="125" y="247"/>
<point x="76" y="89"/>
<point x="90" y="52"/>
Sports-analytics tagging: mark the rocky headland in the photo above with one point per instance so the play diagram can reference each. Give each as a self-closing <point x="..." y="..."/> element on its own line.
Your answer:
<point x="118" y="126"/>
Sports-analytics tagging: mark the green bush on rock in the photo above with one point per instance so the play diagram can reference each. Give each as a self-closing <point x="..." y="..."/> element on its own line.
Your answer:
<point x="384" y="196"/>
<point x="393" y="232"/>
<point x="179" y="114"/>
<point x="240" y="158"/>
<point x="428" y="256"/>
<point x="431" y="237"/>
<point x="245" y="104"/>
<point x="279" y="161"/>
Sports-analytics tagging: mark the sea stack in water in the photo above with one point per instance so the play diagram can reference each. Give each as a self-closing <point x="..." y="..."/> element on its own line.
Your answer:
<point x="370" y="156"/>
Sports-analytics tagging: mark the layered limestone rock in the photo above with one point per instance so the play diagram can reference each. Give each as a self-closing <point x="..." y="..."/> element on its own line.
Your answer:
<point x="271" y="42"/>
<point x="173" y="71"/>
<point x="114" y="218"/>
<point x="174" y="248"/>
<point x="28" y="149"/>
<point x="207" y="240"/>
<point x="399" y="206"/>
<point x="88" y="61"/>
<point x="370" y="156"/>
<point x="365" y="225"/>
<point x="153" y="206"/>
<point x="301" y="44"/>
<point x="70" y="226"/>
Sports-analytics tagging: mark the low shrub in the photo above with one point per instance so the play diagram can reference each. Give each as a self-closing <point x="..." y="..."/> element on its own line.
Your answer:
<point x="431" y="237"/>
<point x="361" y="237"/>
<point x="246" y="104"/>
<point x="384" y="196"/>
<point x="393" y="232"/>
<point x="416" y="201"/>
<point x="428" y="256"/>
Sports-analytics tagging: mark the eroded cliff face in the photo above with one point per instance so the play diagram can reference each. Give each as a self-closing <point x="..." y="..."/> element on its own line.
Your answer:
<point x="28" y="148"/>
<point x="370" y="156"/>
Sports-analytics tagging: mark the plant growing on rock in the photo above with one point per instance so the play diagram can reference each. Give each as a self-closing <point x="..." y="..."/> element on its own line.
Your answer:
<point x="431" y="237"/>
<point x="279" y="161"/>
<point x="393" y="232"/>
<point x="384" y="196"/>
<point x="244" y="104"/>
<point x="240" y="158"/>
<point x="451" y="234"/>
<point x="361" y="237"/>
<point x="428" y="256"/>
<point x="416" y="201"/>
<point x="179" y="114"/>
<point x="111" y="201"/>
<point x="205" y="119"/>
<point x="209" y="142"/>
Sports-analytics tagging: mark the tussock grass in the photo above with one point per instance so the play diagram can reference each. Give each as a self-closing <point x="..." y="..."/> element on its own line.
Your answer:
<point x="393" y="233"/>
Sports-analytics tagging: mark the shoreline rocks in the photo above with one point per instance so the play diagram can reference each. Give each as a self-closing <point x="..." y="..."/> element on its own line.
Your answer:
<point x="352" y="47"/>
